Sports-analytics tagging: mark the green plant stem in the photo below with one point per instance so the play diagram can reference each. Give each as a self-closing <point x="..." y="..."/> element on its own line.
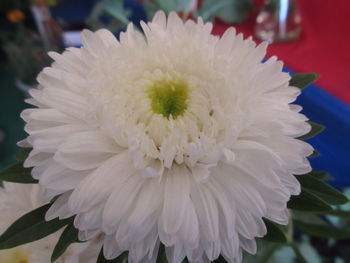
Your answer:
<point x="290" y="227"/>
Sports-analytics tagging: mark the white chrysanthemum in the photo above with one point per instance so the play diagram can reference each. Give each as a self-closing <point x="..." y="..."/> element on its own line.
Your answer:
<point x="19" y="199"/>
<point x="180" y="137"/>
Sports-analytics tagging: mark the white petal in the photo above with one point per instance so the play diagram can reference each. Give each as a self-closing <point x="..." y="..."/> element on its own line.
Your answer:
<point x="176" y="197"/>
<point x="59" y="208"/>
<point x="121" y="201"/>
<point x="111" y="174"/>
<point x="111" y="249"/>
<point x="86" y="150"/>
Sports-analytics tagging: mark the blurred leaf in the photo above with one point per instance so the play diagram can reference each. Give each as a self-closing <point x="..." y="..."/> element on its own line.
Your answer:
<point x="298" y="253"/>
<point x="301" y="81"/>
<point x="321" y="175"/>
<point x="307" y="201"/>
<point x="315" y="129"/>
<point x="116" y="13"/>
<point x="150" y="8"/>
<point x="166" y="5"/>
<point x="185" y="5"/>
<point x="322" y="190"/>
<point x="284" y="254"/>
<point x="116" y="9"/>
<point x="17" y="174"/>
<point x="314" y="154"/>
<point x="237" y="12"/>
<point x="22" y="154"/>
<point x="161" y="257"/>
<point x="230" y="11"/>
<point x="274" y="232"/>
<point x="342" y="214"/>
<point x="267" y="254"/>
<point x="123" y="258"/>
<point x="323" y="231"/>
<point x="308" y="218"/>
<point x="31" y="227"/>
<point x="69" y="236"/>
<point x="309" y="252"/>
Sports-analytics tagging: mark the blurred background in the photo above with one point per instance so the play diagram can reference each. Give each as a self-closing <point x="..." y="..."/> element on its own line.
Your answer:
<point x="308" y="35"/>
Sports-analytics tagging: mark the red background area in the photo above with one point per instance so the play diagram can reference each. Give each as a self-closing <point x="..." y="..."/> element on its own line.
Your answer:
<point x="323" y="47"/>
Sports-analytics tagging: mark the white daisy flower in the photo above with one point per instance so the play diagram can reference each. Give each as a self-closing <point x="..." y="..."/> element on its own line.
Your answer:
<point x="19" y="199"/>
<point x="178" y="137"/>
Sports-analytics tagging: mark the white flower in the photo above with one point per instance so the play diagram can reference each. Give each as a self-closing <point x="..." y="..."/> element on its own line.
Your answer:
<point x="19" y="199"/>
<point x="180" y="137"/>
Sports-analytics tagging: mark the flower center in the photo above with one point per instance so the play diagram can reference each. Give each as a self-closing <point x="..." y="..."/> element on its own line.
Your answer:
<point x="168" y="98"/>
<point x="14" y="255"/>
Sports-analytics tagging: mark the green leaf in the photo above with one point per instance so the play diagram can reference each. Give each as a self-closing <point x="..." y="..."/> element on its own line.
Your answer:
<point x="315" y="129"/>
<point x="31" y="227"/>
<point x="323" y="231"/>
<point x="229" y="11"/>
<point x="309" y="218"/>
<point x="322" y="190"/>
<point x="150" y="8"/>
<point x="166" y="5"/>
<point x="274" y="232"/>
<point x="301" y="81"/>
<point x="298" y="253"/>
<point x="307" y="201"/>
<point x="236" y="12"/>
<point x="161" y="257"/>
<point x="123" y="258"/>
<point x="265" y="252"/>
<point x="117" y="10"/>
<point x="314" y="154"/>
<point x="17" y="174"/>
<point x="338" y="213"/>
<point x="321" y="175"/>
<point x="22" y="154"/>
<point x="268" y="254"/>
<point x="185" y="5"/>
<point x="69" y="236"/>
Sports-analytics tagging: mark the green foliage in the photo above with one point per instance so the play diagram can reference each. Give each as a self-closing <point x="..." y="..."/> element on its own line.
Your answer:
<point x="230" y="11"/>
<point x="69" y="236"/>
<point x="115" y="10"/>
<point x="323" y="230"/>
<point x="151" y="7"/>
<point x="301" y="81"/>
<point x="123" y="258"/>
<point x="321" y="175"/>
<point x="322" y="190"/>
<point x="315" y="129"/>
<point x="275" y="233"/>
<point x="31" y="227"/>
<point x="26" y="54"/>
<point x="298" y="253"/>
<point x="17" y="174"/>
<point x="339" y="213"/>
<point x="314" y="154"/>
<point x="307" y="201"/>
<point x="22" y="154"/>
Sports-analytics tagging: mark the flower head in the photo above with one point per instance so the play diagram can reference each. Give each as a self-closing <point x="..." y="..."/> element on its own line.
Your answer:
<point x="17" y="200"/>
<point x="179" y="137"/>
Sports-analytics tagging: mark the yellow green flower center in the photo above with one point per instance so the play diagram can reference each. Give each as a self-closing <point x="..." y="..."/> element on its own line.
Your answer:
<point x="168" y="98"/>
<point x="14" y="255"/>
